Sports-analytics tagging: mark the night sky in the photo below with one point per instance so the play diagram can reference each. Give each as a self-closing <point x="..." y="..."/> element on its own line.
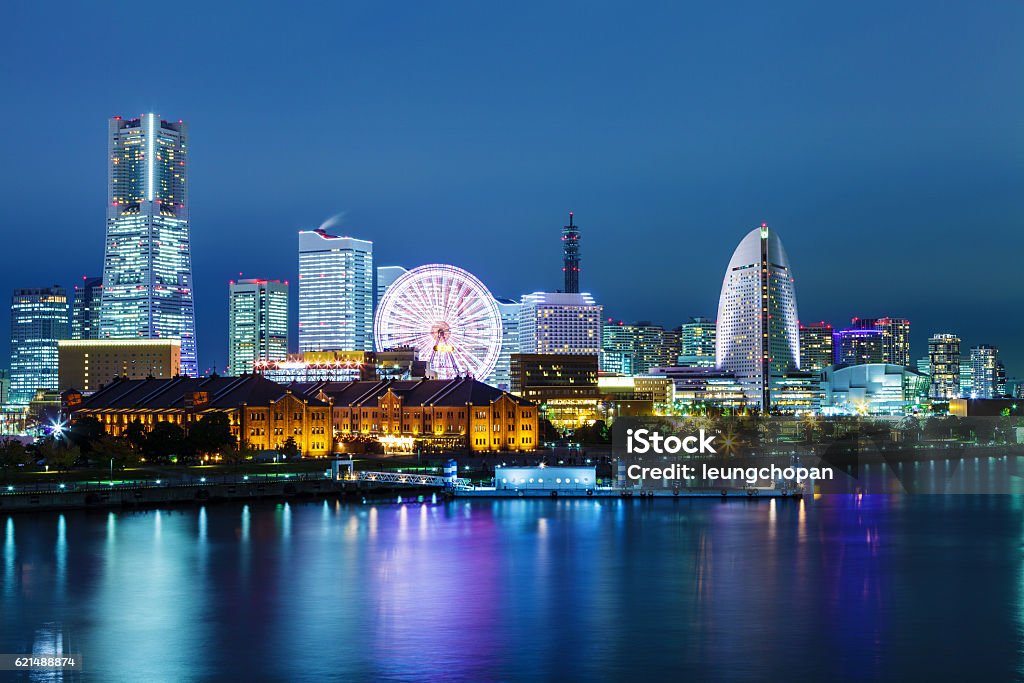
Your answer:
<point x="882" y="140"/>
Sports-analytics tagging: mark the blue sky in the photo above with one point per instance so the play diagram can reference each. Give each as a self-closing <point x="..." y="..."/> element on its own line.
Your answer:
<point x="883" y="141"/>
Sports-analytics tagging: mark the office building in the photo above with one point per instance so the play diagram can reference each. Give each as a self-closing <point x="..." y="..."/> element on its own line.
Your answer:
<point x="560" y="323"/>
<point x="257" y="323"/>
<point x="984" y="362"/>
<point x="618" y="348"/>
<point x="147" y="264"/>
<point x="856" y="346"/>
<point x="895" y="337"/>
<point x="944" y="365"/>
<point x="85" y="308"/>
<point x="336" y="296"/>
<point x="564" y="386"/>
<point x="39" y="319"/>
<point x="386" y="276"/>
<point x="86" y="365"/>
<point x="501" y="376"/>
<point x="816" y="346"/>
<point x="697" y="343"/>
<point x="758" y="331"/>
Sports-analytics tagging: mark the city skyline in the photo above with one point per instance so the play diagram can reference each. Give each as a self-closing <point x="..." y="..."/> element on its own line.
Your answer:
<point x="923" y="193"/>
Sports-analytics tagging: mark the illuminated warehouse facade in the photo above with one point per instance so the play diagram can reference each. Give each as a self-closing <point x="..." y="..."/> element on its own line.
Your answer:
<point x="459" y="413"/>
<point x="147" y="263"/>
<point x="758" y="336"/>
<point x="257" y="323"/>
<point x="263" y="414"/>
<point x="336" y="292"/>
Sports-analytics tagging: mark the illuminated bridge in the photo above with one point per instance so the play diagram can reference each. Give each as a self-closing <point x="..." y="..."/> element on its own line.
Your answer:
<point x="414" y="480"/>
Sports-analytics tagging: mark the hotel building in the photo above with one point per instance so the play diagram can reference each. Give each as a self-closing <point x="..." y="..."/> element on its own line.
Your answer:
<point x="336" y="295"/>
<point x="758" y="331"/>
<point x="147" y="264"/>
<point x="257" y="323"/>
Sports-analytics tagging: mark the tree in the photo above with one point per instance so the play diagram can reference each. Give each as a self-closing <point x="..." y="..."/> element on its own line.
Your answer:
<point x="85" y="432"/>
<point x="58" y="453"/>
<point x="164" y="440"/>
<point x="135" y="434"/>
<point x="289" y="449"/>
<point x="211" y="434"/>
<point x="13" y="454"/>
<point x="123" y="455"/>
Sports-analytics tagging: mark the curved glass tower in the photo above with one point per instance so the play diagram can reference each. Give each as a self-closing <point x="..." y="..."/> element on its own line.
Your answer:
<point x="758" y="332"/>
<point x="147" y="262"/>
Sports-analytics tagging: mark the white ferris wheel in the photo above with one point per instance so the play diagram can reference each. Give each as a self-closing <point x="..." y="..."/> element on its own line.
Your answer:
<point x="447" y="315"/>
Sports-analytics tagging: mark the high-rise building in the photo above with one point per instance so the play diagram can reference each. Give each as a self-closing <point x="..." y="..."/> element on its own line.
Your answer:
<point x="618" y="348"/>
<point x="559" y="323"/>
<point x="895" y="337"/>
<point x="816" y="346"/>
<point x="39" y="319"/>
<point x="386" y="276"/>
<point x="85" y="309"/>
<point x="649" y="342"/>
<point x="336" y="296"/>
<point x="671" y="347"/>
<point x="571" y="256"/>
<point x="758" y="329"/>
<point x="984" y="371"/>
<point x="856" y="346"/>
<point x="944" y="365"/>
<point x="147" y="264"/>
<point x="966" y="376"/>
<point x="1002" y="388"/>
<point x="257" y="323"/>
<point x="697" y="343"/>
<point x="510" y="311"/>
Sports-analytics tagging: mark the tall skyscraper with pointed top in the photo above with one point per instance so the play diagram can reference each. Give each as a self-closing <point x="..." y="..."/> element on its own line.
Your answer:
<point x="571" y="256"/>
<point x="147" y="262"/>
<point x="758" y="336"/>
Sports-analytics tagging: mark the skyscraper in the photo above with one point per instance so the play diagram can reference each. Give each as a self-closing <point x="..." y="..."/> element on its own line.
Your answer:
<point x="944" y="362"/>
<point x="501" y="375"/>
<point x="618" y="347"/>
<point x="39" y="319"/>
<point x="816" y="346"/>
<point x="257" y="323"/>
<point x="856" y="346"/>
<point x="559" y="323"/>
<point x="697" y="343"/>
<point x="895" y="337"/>
<point x="85" y="309"/>
<point x="147" y="264"/>
<point x="571" y="256"/>
<point x="336" y="297"/>
<point x="386" y="276"/>
<point x="984" y="371"/>
<point x="758" y="330"/>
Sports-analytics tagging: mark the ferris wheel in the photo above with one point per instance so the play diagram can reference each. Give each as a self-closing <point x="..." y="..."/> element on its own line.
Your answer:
<point x="447" y="315"/>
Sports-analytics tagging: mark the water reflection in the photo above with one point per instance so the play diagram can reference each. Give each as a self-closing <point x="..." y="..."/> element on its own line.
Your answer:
<point x="844" y="587"/>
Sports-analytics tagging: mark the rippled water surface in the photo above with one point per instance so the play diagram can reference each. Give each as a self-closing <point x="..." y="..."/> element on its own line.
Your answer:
<point x="845" y="588"/>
